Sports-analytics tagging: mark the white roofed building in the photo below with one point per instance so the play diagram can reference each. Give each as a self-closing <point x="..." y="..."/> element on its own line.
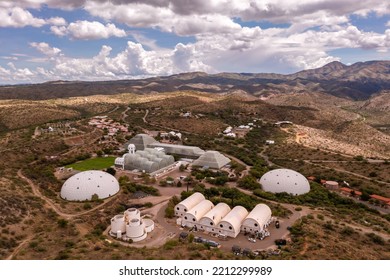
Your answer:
<point x="211" y="219"/>
<point x="257" y="220"/>
<point x="230" y="225"/>
<point x="82" y="186"/>
<point x="188" y="203"/>
<point x="192" y="217"/>
<point x="285" y="180"/>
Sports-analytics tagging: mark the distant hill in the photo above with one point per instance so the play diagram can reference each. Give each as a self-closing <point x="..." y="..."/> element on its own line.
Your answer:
<point x="358" y="81"/>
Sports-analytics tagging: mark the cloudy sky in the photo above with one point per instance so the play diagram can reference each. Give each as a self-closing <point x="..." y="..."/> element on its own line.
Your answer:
<point x="43" y="40"/>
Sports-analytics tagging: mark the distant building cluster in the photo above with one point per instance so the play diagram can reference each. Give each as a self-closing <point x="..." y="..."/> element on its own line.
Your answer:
<point x="145" y="154"/>
<point x="346" y="190"/>
<point x="170" y="134"/>
<point x="234" y="132"/>
<point x="195" y="211"/>
<point x="103" y="122"/>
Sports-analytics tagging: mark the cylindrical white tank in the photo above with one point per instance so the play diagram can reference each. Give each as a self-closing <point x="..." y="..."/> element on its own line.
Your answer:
<point x="132" y="213"/>
<point x="149" y="225"/>
<point x="134" y="222"/>
<point x="134" y="232"/>
<point x="118" y="223"/>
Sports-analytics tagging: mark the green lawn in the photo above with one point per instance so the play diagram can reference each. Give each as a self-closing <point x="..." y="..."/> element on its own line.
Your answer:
<point x="98" y="163"/>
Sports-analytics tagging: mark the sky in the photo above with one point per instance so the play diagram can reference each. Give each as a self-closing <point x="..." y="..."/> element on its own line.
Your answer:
<point x="48" y="40"/>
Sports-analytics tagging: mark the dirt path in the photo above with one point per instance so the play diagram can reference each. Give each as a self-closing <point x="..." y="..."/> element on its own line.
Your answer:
<point x="19" y="248"/>
<point x="113" y="110"/>
<point x="124" y="114"/>
<point x="144" y="117"/>
<point x="54" y="207"/>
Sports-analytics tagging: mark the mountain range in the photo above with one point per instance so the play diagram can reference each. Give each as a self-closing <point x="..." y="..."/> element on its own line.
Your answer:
<point x="358" y="81"/>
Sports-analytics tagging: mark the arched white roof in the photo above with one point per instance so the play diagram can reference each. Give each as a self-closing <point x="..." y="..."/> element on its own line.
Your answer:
<point x="235" y="217"/>
<point x="199" y="210"/>
<point x="192" y="200"/>
<point x="260" y="215"/>
<point x="285" y="180"/>
<point x="82" y="186"/>
<point x="216" y="214"/>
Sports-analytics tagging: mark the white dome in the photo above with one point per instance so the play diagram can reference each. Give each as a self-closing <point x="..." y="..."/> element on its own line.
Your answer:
<point x="84" y="185"/>
<point x="285" y="180"/>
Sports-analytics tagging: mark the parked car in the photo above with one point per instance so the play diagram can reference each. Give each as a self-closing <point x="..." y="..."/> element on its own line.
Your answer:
<point x="236" y="249"/>
<point x="251" y="239"/>
<point x="277" y="224"/>
<point x="280" y="242"/>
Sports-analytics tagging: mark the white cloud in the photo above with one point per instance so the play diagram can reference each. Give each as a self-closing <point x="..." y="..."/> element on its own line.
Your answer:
<point x="133" y="61"/>
<point x="57" y="21"/>
<point x="313" y="29"/>
<point x="59" y="30"/>
<point x="45" y="49"/>
<point x="17" y="17"/>
<point x="88" y="30"/>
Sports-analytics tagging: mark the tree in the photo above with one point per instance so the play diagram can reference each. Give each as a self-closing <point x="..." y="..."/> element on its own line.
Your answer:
<point x="365" y="196"/>
<point x="373" y="174"/>
<point x="111" y="171"/>
<point x="249" y="183"/>
<point x="231" y="193"/>
<point x="179" y="184"/>
<point x="62" y="223"/>
<point x="163" y="183"/>
<point x="182" y="168"/>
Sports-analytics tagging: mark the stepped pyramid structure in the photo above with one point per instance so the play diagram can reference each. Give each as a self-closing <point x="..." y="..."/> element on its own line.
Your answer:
<point x="141" y="141"/>
<point x="211" y="159"/>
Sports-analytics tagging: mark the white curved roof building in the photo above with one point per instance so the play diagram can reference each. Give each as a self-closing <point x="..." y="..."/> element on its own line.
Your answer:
<point x="210" y="220"/>
<point x="230" y="225"/>
<point x="82" y="186"/>
<point x="192" y="217"/>
<point x="258" y="219"/>
<point x="188" y="203"/>
<point x="285" y="180"/>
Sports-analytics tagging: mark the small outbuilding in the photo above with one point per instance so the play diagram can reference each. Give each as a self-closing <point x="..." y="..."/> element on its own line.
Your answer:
<point x="331" y="185"/>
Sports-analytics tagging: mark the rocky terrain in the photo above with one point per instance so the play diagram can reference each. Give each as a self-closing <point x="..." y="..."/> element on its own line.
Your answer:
<point x="357" y="82"/>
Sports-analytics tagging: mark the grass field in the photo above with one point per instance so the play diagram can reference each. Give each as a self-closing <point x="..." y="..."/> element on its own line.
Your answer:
<point x="93" y="163"/>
